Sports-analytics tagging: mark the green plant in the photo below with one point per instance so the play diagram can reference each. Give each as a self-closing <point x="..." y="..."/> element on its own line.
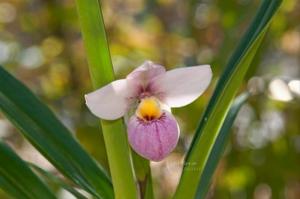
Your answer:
<point x="130" y="175"/>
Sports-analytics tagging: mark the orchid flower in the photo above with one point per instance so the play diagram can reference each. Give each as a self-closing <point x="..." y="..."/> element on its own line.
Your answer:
<point x="148" y="93"/>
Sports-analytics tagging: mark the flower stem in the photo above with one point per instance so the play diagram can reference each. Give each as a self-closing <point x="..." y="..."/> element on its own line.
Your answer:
<point x="101" y="70"/>
<point x="143" y="174"/>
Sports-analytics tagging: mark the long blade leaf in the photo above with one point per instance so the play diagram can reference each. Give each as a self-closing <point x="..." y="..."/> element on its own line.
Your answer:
<point x="40" y="126"/>
<point x="219" y="145"/>
<point x="54" y="179"/>
<point x="17" y="179"/>
<point x="10" y="189"/>
<point x="101" y="70"/>
<point x="221" y="100"/>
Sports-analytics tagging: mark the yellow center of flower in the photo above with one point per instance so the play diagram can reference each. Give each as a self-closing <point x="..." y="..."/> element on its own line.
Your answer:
<point x="149" y="109"/>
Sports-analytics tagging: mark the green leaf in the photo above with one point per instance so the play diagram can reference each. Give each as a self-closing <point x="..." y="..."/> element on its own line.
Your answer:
<point x="10" y="189"/>
<point x="101" y="70"/>
<point x="40" y="126"/>
<point x="219" y="146"/>
<point x="17" y="179"/>
<point x="54" y="179"/>
<point x="228" y="85"/>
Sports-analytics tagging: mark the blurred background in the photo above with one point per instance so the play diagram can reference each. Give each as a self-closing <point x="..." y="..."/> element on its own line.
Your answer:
<point x="40" y="44"/>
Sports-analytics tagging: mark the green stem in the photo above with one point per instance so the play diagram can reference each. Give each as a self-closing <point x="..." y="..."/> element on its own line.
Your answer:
<point x="149" y="187"/>
<point x="101" y="70"/>
<point x="143" y="174"/>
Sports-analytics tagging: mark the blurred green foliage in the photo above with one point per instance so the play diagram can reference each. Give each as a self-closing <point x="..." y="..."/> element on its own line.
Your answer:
<point x="40" y="43"/>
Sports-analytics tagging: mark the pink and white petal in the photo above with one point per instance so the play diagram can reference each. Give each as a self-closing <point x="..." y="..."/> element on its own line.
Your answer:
<point x="109" y="102"/>
<point x="180" y="87"/>
<point x="153" y="140"/>
<point x="144" y="73"/>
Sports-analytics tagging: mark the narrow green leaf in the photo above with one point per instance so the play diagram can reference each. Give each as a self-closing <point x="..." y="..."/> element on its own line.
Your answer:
<point x="101" y="70"/>
<point x="219" y="146"/>
<point x="221" y="100"/>
<point x="54" y="179"/>
<point x="10" y="189"/>
<point x="40" y="126"/>
<point x="17" y="179"/>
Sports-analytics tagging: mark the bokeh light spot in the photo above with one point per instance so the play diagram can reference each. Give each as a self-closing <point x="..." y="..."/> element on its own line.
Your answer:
<point x="7" y="13"/>
<point x="31" y="57"/>
<point x="280" y="91"/>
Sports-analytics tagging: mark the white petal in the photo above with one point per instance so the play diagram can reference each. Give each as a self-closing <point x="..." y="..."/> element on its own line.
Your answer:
<point x="147" y="71"/>
<point x="109" y="102"/>
<point x="180" y="87"/>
